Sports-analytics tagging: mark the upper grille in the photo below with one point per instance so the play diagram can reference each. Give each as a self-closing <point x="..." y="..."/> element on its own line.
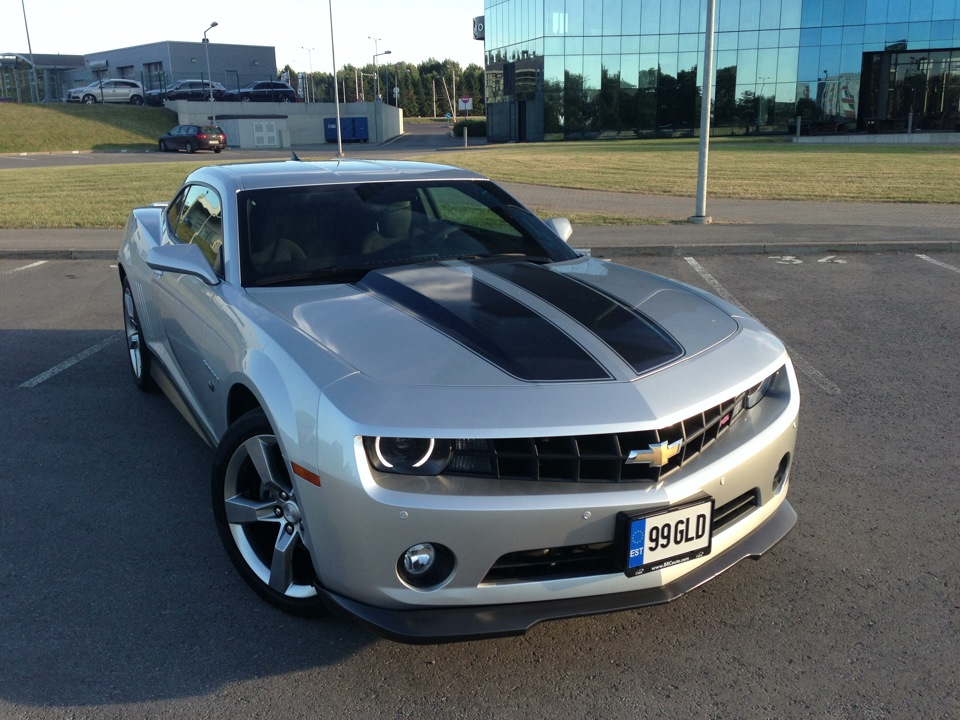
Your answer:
<point x="592" y="458"/>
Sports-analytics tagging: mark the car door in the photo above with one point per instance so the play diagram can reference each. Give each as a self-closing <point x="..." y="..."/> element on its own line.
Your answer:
<point x="107" y="91"/>
<point x="176" y="137"/>
<point x="184" y="302"/>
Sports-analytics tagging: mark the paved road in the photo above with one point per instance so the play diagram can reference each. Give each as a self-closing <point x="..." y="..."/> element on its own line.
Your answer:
<point x="116" y="600"/>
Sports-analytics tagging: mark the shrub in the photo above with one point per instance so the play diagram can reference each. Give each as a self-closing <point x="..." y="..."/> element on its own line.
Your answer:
<point x="476" y="127"/>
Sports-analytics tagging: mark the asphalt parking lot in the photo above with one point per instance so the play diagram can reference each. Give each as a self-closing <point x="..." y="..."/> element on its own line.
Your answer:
<point x="116" y="599"/>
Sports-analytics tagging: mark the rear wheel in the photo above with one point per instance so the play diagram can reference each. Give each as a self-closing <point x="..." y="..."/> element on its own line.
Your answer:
<point x="137" y="352"/>
<point x="217" y="149"/>
<point x="190" y="147"/>
<point x="258" y="517"/>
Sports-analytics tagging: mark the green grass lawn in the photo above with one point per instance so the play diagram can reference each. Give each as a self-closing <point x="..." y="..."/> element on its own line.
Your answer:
<point x="60" y="127"/>
<point x="101" y="196"/>
<point x="767" y="169"/>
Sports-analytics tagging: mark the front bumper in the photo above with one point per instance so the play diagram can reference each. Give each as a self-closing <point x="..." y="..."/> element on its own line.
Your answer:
<point x="455" y="624"/>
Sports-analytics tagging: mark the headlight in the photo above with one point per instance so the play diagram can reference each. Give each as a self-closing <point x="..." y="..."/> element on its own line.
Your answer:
<point x="408" y="456"/>
<point x="758" y="391"/>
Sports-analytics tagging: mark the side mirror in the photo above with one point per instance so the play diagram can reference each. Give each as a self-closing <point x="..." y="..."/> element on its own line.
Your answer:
<point x="183" y="259"/>
<point x="561" y="227"/>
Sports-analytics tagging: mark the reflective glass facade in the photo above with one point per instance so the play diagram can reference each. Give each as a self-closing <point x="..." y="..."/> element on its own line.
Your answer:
<point x="633" y="68"/>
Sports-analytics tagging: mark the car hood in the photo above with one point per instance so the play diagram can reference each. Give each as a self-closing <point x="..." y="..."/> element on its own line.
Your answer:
<point x="505" y="323"/>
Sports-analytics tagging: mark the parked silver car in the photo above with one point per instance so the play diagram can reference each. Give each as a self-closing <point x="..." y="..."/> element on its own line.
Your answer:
<point x="430" y="413"/>
<point x="108" y="91"/>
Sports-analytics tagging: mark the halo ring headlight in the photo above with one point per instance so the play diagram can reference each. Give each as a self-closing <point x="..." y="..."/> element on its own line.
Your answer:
<point x="408" y="456"/>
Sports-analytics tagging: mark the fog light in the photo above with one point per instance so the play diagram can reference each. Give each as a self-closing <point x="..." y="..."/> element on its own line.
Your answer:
<point x="426" y="566"/>
<point x="418" y="559"/>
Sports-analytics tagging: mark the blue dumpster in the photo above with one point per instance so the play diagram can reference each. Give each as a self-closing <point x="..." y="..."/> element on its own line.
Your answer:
<point x="352" y="129"/>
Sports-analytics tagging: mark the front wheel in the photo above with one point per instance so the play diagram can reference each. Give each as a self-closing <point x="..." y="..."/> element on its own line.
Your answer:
<point x="136" y="99"/>
<point x="259" y="518"/>
<point x="89" y="99"/>
<point x="137" y="352"/>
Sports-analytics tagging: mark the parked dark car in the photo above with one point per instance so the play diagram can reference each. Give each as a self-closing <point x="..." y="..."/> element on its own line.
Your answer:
<point x="262" y="91"/>
<point x="184" y="90"/>
<point x="192" y="138"/>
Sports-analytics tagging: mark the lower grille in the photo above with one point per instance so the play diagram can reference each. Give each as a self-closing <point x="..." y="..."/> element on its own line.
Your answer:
<point x="594" y="559"/>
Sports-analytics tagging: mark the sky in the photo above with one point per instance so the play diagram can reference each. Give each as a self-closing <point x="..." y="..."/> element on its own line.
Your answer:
<point x="413" y="30"/>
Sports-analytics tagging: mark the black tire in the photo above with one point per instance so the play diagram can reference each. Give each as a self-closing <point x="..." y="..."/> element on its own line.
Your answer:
<point x="138" y="355"/>
<point x="136" y="99"/>
<point x="258" y="518"/>
<point x="89" y="99"/>
<point x="217" y="150"/>
<point x="190" y="147"/>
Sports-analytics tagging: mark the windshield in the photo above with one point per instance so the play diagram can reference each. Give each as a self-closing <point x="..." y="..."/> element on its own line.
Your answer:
<point x="337" y="233"/>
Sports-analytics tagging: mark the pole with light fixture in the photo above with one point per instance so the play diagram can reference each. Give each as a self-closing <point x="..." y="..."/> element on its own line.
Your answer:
<point x="701" y="218"/>
<point x="309" y="87"/>
<point x="376" y="71"/>
<point x="336" y="90"/>
<point x="35" y="90"/>
<point x="206" y="49"/>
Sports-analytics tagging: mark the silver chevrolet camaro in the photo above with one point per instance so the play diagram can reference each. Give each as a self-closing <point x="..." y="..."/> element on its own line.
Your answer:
<point x="431" y="414"/>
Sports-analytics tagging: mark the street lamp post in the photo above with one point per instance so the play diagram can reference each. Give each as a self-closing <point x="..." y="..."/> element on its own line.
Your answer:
<point x="35" y="90"/>
<point x="336" y="96"/>
<point x="206" y="50"/>
<point x="309" y="87"/>
<point x="701" y="218"/>
<point x="376" y="71"/>
<point x="763" y="85"/>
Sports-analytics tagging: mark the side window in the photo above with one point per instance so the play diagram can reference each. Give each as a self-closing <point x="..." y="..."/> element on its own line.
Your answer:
<point x="175" y="208"/>
<point x="458" y="207"/>
<point x="195" y="217"/>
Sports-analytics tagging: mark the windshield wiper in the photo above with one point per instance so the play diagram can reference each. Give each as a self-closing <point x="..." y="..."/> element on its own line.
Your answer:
<point x="331" y="273"/>
<point x="519" y="256"/>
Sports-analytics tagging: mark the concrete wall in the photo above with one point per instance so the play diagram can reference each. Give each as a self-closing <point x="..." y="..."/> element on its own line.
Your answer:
<point x="260" y="125"/>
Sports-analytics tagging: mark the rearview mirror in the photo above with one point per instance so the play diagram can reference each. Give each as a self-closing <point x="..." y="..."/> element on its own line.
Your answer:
<point x="561" y="227"/>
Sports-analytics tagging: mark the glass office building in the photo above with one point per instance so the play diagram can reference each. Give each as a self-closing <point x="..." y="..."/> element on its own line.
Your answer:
<point x="633" y="68"/>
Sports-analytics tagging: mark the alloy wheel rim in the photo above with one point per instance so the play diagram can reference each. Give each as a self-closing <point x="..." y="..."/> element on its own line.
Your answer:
<point x="132" y="331"/>
<point x="264" y="518"/>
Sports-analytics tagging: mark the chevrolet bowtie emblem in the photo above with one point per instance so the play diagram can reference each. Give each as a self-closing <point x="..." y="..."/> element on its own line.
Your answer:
<point x="656" y="455"/>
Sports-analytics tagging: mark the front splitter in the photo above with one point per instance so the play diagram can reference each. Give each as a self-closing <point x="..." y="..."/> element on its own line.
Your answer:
<point x="457" y="624"/>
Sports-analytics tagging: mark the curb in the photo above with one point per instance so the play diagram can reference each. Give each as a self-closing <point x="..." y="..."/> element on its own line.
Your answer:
<point x="603" y="250"/>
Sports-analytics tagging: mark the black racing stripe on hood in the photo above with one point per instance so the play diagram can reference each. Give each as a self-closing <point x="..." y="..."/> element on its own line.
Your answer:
<point x="642" y="344"/>
<point x="483" y="319"/>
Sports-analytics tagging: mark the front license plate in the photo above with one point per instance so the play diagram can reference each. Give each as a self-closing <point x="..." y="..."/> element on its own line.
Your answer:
<point x="654" y="540"/>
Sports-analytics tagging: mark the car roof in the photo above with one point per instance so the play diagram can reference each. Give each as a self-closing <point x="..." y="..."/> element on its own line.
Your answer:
<point x="251" y="176"/>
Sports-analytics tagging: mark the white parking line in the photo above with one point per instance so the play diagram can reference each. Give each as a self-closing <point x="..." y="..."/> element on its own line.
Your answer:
<point x="57" y="369"/>
<point x="23" y="267"/>
<point x="802" y="365"/>
<point x="938" y="263"/>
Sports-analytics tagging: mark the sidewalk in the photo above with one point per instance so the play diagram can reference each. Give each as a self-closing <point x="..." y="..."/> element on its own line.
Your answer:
<point x="739" y="226"/>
